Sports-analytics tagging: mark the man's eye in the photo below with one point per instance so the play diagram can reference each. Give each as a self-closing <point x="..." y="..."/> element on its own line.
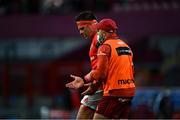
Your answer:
<point x="81" y="28"/>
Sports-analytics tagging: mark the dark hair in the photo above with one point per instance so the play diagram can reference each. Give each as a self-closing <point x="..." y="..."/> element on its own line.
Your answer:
<point x="85" y="15"/>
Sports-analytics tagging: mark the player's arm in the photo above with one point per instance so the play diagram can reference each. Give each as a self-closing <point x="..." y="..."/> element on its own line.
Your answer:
<point x="103" y="55"/>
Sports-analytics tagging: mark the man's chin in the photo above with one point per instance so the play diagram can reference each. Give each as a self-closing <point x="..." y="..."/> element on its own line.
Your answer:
<point x="85" y="37"/>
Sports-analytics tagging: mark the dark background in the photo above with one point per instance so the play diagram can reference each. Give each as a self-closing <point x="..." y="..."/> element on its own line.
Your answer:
<point x="40" y="47"/>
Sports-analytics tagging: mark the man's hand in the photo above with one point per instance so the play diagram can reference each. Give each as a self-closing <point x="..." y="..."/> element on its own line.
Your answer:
<point x="92" y="88"/>
<point x="76" y="83"/>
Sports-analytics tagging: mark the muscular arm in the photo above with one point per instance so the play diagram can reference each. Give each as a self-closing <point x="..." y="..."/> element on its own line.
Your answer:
<point x="103" y="55"/>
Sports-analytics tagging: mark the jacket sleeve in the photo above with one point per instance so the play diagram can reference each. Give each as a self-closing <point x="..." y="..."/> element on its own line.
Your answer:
<point x="103" y="55"/>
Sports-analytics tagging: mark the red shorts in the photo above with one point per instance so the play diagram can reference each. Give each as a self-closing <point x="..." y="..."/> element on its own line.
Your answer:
<point x="114" y="107"/>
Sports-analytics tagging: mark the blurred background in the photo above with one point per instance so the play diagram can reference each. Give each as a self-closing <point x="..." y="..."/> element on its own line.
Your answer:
<point x="40" y="47"/>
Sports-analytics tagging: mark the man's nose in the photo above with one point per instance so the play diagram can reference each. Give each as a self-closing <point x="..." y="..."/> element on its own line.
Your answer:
<point x="81" y="32"/>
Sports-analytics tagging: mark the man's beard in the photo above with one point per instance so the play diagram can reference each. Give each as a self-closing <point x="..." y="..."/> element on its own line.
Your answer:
<point x="85" y="36"/>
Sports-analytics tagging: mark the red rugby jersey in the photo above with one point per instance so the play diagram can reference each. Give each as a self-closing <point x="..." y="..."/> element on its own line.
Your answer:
<point x="93" y="52"/>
